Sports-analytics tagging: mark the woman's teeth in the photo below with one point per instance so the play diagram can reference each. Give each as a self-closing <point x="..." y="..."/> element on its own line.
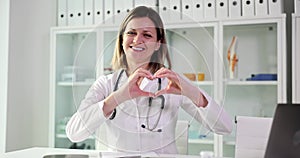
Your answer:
<point x="137" y="48"/>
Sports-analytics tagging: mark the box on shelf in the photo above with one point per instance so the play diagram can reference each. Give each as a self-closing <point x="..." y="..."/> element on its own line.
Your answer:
<point x="75" y="12"/>
<point x="98" y="12"/>
<point x="261" y="7"/>
<point x="247" y="8"/>
<point x="187" y="10"/>
<point x="297" y="7"/>
<point x="234" y="7"/>
<point x="262" y="77"/>
<point x="221" y="8"/>
<point x="62" y="12"/>
<point x="74" y="73"/>
<point x="198" y="10"/>
<point x="275" y="7"/>
<point x="209" y="9"/>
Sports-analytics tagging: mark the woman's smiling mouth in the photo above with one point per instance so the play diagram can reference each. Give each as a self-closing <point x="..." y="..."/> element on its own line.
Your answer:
<point x="137" y="48"/>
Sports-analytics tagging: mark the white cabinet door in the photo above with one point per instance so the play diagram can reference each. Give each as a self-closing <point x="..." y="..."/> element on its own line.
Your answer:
<point x="72" y="64"/>
<point x="296" y="59"/>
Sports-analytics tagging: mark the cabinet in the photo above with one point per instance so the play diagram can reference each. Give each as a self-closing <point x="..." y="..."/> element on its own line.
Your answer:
<point x="261" y="50"/>
<point x="295" y="58"/>
<point x="195" y="48"/>
<point x="73" y="61"/>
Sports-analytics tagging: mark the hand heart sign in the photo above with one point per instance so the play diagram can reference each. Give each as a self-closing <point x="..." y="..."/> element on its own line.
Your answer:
<point x="152" y="86"/>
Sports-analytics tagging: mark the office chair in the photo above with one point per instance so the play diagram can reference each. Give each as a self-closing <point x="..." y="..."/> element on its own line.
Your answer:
<point x="252" y="135"/>
<point x="181" y="136"/>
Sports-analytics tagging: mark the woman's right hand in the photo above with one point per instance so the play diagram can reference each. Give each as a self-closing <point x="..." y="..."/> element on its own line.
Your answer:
<point x="131" y="89"/>
<point x="127" y="91"/>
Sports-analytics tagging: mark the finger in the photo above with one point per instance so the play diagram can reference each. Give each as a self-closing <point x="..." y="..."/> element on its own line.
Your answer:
<point x="161" y="92"/>
<point x="171" y="77"/>
<point x="165" y="73"/>
<point x="143" y="73"/>
<point x="161" y="71"/>
<point x="147" y="94"/>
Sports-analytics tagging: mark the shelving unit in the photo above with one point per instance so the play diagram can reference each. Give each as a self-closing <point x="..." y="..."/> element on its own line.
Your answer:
<point x="198" y="47"/>
<point x="73" y="54"/>
<point x="295" y="57"/>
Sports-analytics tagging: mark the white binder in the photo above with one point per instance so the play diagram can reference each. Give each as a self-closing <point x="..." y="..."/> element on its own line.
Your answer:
<point x="187" y="10"/>
<point x="222" y="8"/>
<point x="62" y="12"/>
<point x="297" y="7"/>
<point x="261" y="7"/>
<point x="148" y="3"/>
<point x="121" y="9"/>
<point x="88" y="12"/>
<point x="164" y="10"/>
<point x="108" y="11"/>
<point x="128" y="6"/>
<point x="275" y="7"/>
<point x="247" y="8"/>
<point x="175" y="13"/>
<point x="209" y="9"/>
<point x="198" y="9"/>
<point x="75" y="12"/>
<point x="235" y="8"/>
<point x="98" y="12"/>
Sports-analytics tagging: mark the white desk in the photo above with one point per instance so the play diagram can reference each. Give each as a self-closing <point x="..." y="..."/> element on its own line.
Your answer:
<point x="38" y="152"/>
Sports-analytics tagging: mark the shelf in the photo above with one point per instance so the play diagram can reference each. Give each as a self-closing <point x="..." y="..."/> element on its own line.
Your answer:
<point x="64" y="136"/>
<point x="201" y="141"/>
<point x="251" y="83"/>
<point x="229" y="140"/>
<point x="83" y="83"/>
<point x="203" y="83"/>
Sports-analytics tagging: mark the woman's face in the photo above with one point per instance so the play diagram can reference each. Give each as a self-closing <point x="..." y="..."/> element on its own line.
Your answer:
<point x="140" y="40"/>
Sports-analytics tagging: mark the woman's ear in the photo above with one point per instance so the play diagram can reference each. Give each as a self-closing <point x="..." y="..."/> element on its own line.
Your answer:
<point x="158" y="43"/>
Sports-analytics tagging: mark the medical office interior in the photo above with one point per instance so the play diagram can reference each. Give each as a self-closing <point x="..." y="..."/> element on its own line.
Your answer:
<point x="244" y="53"/>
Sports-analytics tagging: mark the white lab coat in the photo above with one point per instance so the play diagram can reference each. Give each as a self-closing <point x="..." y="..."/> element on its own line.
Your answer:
<point x="124" y="132"/>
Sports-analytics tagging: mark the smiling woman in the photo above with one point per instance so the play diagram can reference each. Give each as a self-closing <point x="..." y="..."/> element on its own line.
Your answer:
<point x="138" y="119"/>
<point x="140" y="42"/>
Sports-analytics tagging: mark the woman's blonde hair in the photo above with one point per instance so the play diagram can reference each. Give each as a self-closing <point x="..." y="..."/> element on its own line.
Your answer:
<point x="158" y="58"/>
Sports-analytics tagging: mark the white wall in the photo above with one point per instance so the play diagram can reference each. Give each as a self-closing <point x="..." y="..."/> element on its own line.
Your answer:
<point x="4" y="16"/>
<point x="28" y="73"/>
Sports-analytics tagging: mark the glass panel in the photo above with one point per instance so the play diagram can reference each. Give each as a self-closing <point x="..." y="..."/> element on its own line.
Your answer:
<point x="256" y="50"/>
<point x="192" y="51"/>
<point x="109" y="42"/>
<point x="75" y="72"/>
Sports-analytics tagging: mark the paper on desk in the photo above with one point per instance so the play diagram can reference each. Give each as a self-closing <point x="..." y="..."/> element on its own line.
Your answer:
<point x="126" y="155"/>
<point x="252" y="135"/>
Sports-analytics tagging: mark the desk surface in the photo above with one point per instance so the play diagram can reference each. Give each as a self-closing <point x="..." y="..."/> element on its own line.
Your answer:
<point x="38" y="152"/>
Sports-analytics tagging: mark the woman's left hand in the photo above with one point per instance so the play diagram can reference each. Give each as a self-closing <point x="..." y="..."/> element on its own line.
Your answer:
<point x="180" y="86"/>
<point x="174" y="82"/>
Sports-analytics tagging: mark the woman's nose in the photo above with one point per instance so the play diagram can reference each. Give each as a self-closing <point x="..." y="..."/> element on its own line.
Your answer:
<point x="138" y="38"/>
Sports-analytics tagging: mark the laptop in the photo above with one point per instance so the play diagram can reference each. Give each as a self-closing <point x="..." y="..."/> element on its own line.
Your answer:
<point x="284" y="139"/>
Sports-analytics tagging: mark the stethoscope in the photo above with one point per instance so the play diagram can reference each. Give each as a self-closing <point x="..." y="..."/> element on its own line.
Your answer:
<point x="152" y="129"/>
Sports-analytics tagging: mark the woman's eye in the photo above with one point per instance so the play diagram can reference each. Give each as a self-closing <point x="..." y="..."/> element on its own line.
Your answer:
<point x="148" y="35"/>
<point x="130" y="33"/>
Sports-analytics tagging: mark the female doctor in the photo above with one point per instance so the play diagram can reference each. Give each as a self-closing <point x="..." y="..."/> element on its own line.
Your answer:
<point x="138" y="104"/>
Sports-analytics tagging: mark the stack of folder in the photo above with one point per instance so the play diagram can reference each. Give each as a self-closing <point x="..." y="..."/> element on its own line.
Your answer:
<point x="111" y="12"/>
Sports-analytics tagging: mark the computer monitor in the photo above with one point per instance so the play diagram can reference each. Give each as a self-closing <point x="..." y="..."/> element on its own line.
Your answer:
<point x="284" y="139"/>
